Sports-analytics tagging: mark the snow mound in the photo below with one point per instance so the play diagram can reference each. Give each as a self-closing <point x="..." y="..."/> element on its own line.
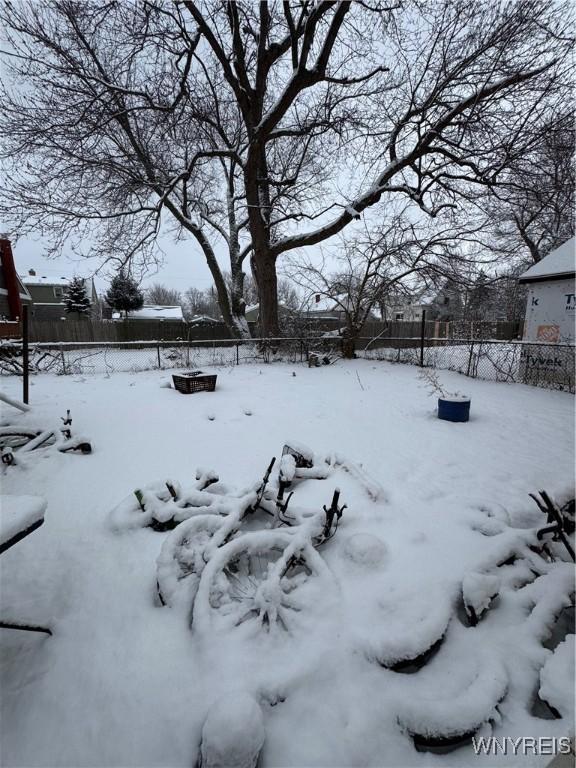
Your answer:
<point x="478" y="591"/>
<point x="461" y="713"/>
<point x="365" y="550"/>
<point x="553" y="676"/>
<point x="233" y="733"/>
<point x="411" y="626"/>
<point x="489" y="526"/>
<point x="371" y="487"/>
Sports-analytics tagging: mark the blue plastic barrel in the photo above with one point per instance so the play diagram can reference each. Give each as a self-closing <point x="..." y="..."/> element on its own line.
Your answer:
<point x="453" y="409"/>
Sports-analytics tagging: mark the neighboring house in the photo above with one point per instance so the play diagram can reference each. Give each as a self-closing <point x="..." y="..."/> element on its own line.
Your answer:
<point x="48" y="295"/>
<point x="319" y="307"/>
<point x="13" y="294"/>
<point x="153" y="312"/>
<point x="550" y="308"/>
<point x="439" y="303"/>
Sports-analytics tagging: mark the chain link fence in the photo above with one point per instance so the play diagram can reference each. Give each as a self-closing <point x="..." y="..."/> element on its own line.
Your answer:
<point x="543" y="365"/>
<point x="107" y="358"/>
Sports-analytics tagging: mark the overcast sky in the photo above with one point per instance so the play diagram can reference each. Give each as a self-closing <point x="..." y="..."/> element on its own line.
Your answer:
<point x="184" y="264"/>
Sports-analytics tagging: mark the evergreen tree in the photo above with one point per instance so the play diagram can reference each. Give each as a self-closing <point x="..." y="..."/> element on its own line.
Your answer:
<point x="75" y="298"/>
<point x="124" y="294"/>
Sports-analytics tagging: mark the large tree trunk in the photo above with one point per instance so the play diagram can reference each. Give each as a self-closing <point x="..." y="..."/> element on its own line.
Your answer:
<point x="349" y="343"/>
<point x="264" y="266"/>
<point x="257" y="191"/>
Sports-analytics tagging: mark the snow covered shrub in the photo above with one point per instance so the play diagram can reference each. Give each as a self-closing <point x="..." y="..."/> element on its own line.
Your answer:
<point x="431" y="381"/>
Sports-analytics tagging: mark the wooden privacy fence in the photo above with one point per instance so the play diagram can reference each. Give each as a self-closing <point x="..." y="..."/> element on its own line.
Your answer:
<point x="79" y="331"/>
<point x="54" y="331"/>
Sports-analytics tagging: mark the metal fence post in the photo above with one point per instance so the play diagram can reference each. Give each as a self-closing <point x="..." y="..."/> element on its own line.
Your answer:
<point x="237" y="353"/>
<point x="63" y="357"/>
<point x="470" y="358"/>
<point x="25" y="356"/>
<point x="422" y="334"/>
<point x="158" y="353"/>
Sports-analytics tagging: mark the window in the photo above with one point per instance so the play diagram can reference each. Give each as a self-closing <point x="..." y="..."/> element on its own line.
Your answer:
<point x="58" y="291"/>
<point x="399" y="316"/>
<point x="446" y="300"/>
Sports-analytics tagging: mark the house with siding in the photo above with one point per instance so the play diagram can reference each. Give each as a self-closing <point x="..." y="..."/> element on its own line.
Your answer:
<point x="13" y="293"/>
<point x="551" y="302"/>
<point x="48" y="295"/>
<point x="443" y="303"/>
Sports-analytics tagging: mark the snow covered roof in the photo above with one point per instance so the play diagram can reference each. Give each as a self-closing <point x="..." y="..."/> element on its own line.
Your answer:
<point x="427" y="297"/>
<point x="253" y="307"/>
<point x="203" y="319"/>
<point x="50" y="280"/>
<point x="319" y="303"/>
<point x="44" y="280"/>
<point x="559" y="263"/>
<point x="154" y="312"/>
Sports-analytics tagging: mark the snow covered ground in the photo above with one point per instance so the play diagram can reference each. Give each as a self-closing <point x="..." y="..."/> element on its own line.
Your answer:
<point x="125" y="681"/>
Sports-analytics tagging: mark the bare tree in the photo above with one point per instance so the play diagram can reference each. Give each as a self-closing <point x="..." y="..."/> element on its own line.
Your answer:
<point x="122" y="137"/>
<point x="533" y="207"/>
<point x="399" y="256"/>
<point x="441" y="97"/>
<point x="198" y="302"/>
<point x="316" y="111"/>
<point x="158" y="293"/>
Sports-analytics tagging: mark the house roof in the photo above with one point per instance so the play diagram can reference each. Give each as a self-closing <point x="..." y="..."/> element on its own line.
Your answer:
<point x="203" y="319"/>
<point x="559" y="263"/>
<point x="50" y="280"/>
<point x="319" y="303"/>
<point x="427" y="297"/>
<point x="44" y="280"/>
<point x="154" y="312"/>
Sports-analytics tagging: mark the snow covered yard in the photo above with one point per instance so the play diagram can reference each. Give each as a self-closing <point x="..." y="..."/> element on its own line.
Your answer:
<point x="124" y="681"/>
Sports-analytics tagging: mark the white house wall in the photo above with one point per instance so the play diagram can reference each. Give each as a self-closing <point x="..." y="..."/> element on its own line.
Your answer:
<point x="550" y="312"/>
